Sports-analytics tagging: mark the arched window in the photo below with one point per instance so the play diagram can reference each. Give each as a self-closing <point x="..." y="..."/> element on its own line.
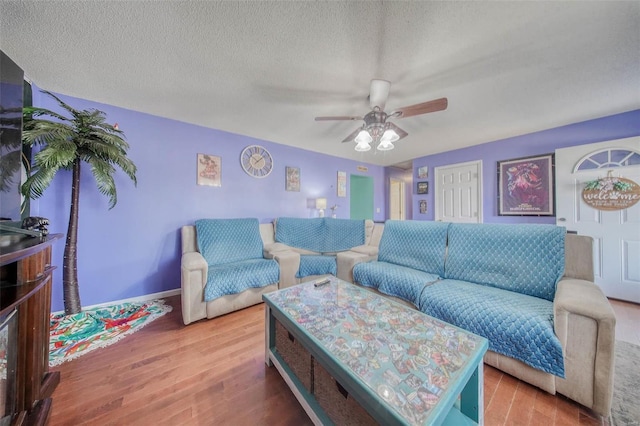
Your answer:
<point x="608" y="158"/>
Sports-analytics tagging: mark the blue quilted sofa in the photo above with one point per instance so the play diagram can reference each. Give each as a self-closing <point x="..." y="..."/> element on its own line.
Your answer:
<point x="527" y="288"/>
<point x="315" y="242"/>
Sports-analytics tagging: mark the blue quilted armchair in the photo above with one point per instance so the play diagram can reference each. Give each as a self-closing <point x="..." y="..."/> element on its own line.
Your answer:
<point x="224" y="267"/>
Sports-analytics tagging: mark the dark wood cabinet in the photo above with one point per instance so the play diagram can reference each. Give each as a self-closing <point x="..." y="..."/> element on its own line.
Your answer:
<point x="26" y="273"/>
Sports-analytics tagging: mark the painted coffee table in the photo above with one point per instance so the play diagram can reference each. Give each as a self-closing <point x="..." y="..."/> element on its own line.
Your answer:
<point x="399" y="365"/>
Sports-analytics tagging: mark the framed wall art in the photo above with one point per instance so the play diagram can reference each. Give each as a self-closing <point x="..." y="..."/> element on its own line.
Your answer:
<point x="423" y="172"/>
<point x="525" y="186"/>
<point x="292" y="182"/>
<point x="423" y="187"/>
<point x="342" y="184"/>
<point x="423" y="206"/>
<point x="209" y="170"/>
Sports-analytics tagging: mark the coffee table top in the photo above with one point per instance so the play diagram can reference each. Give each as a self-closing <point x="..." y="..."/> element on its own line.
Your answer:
<point x="415" y="364"/>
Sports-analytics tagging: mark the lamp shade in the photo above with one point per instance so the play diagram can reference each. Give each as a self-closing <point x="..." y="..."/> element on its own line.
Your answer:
<point x="362" y="147"/>
<point x="363" y="137"/>
<point x="321" y="203"/>
<point x="389" y="135"/>
<point x="385" y="145"/>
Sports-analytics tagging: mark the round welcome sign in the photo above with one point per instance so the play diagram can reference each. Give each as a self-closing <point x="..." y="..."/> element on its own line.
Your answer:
<point x="611" y="193"/>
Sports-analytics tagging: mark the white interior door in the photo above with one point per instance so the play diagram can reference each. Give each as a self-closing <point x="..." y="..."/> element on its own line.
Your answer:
<point x="458" y="192"/>
<point x="396" y="199"/>
<point x="616" y="234"/>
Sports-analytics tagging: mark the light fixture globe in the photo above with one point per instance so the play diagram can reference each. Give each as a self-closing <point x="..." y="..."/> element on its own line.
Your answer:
<point x="362" y="147"/>
<point x="390" y="135"/>
<point x="385" y="145"/>
<point x="363" y="137"/>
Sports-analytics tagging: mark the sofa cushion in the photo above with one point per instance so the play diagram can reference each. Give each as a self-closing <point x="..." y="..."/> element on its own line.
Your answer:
<point x="416" y="244"/>
<point x="394" y="280"/>
<point x="316" y="265"/>
<point x="527" y="259"/>
<point x="223" y="241"/>
<point x="234" y="278"/>
<point x="516" y="325"/>
<point x="322" y="235"/>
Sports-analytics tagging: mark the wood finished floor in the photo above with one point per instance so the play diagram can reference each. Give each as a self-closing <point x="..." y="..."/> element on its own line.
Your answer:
<point x="213" y="373"/>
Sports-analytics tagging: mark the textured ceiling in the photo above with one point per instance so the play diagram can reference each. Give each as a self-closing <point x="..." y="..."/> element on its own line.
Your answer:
<point x="266" y="69"/>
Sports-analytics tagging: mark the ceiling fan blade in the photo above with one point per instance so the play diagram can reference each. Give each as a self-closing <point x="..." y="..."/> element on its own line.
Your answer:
<point x="401" y="133"/>
<point x="340" y="117"/>
<point x="379" y="93"/>
<point x="352" y="136"/>
<point x="423" y="108"/>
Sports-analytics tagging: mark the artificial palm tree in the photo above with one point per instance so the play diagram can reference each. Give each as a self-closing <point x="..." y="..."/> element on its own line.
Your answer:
<point x="66" y="143"/>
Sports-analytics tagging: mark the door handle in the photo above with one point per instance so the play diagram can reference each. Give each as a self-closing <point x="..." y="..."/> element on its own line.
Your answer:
<point x="562" y="219"/>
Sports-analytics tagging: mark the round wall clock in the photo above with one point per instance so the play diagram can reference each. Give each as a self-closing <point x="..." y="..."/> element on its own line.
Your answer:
<point x="256" y="161"/>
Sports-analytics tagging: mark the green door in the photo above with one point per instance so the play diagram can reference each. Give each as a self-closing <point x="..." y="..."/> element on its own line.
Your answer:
<point x="361" y="197"/>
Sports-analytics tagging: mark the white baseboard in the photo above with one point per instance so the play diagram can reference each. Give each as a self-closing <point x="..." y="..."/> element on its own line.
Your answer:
<point x="142" y="298"/>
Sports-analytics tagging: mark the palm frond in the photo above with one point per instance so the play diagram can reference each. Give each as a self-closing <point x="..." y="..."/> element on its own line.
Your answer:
<point x="110" y="129"/>
<point x="42" y="132"/>
<point x="30" y="111"/>
<point x="74" y="112"/>
<point x="103" y="173"/>
<point x="36" y="184"/>
<point x="57" y="154"/>
<point x="93" y="117"/>
<point x="128" y="167"/>
<point x="111" y="139"/>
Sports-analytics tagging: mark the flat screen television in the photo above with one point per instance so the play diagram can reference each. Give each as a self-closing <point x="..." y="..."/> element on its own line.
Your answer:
<point x="14" y="160"/>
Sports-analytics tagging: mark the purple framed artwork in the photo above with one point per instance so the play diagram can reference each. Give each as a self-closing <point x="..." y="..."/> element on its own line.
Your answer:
<point x="525" y="186"/>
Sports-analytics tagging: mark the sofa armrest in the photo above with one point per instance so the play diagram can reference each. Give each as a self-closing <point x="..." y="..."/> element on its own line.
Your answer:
<point x="276" y="247"/>
<point x="269" y="249"/>
<point x="289" y="263"/>
<point x="366" y="249"/>
<point x="346" y="260"/>
<point x="192" y="280"/>
<point x="584" y="321"/>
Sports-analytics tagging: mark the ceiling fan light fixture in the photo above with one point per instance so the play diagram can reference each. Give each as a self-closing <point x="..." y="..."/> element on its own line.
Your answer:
<point x="363" y="146"/>
<point x="385" y="145"/>
<point x="363" y="138"/>
<point x="389" y="135"/>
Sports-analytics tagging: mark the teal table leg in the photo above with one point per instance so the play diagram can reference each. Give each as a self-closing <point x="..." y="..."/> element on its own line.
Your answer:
<point x="270" y="335"/>
<point x="472" y="397"/>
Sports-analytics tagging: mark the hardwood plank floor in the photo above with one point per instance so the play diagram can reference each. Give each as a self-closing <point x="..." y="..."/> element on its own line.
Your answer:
<point x="213" y="373"/>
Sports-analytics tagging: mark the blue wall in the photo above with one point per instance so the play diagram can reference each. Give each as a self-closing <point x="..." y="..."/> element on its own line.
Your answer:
<point x="134" y="249"/>
<point x="547" y="141"/>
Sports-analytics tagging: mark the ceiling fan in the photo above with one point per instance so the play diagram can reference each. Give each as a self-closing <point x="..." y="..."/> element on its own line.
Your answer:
<point x="376" y="128"/>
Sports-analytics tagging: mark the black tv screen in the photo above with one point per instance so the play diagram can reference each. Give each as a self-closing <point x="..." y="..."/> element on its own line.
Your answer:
<point x="12" y="170"/>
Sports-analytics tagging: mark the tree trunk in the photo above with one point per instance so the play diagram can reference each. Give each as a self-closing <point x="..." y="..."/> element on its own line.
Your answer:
<point x="70" y="262"/>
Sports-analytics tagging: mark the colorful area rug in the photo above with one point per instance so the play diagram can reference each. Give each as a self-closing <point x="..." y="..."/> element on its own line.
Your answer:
<point x="74" y="335"/>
